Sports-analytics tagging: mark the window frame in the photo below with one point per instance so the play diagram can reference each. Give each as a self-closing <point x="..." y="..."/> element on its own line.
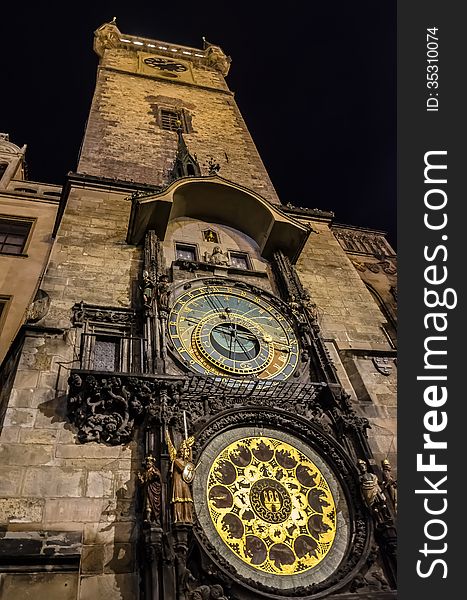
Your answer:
<point x="187" y="245"/>
<point x="5" y="302"/>
<point x="117" y="325"/>
<point x="244" y="255"/>
<point x="27" y="220"/>
<point x="182" y="116"/>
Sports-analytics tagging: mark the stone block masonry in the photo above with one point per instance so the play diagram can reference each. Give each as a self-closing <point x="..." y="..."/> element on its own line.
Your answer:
<point x="124" y="139"/>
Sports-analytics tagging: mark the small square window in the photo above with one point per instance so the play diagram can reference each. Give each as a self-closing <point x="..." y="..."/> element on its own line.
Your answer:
<point x="239" y="260"/>
<point x="171" y="120"/>
<point x="13" y="235"/>
<point x="185" y="252"/>
<point x="106" y="353"/>
<point x="209" y="235"/>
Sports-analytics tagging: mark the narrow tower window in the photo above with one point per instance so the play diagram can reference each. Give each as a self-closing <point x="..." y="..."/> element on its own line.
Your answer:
<point x="171" y="120"/>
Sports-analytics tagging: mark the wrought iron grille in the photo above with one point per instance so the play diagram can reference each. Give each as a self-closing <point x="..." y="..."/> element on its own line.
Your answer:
<point x="224" y="387"/>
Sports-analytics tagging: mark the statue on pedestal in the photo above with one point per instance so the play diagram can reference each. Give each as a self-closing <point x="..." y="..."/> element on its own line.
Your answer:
<point x="150" y="480"/>
<point x="183" y="473"/>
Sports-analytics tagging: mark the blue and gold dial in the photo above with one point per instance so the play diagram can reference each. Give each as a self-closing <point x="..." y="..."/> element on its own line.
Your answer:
<point x="227" y="331"/>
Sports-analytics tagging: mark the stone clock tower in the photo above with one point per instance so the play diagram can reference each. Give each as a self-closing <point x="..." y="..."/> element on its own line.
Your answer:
<point x="212" y="386"/>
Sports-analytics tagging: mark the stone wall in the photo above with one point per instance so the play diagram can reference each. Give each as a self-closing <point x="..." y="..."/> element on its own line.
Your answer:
<point x="48" y="481"/>
<point x="91" y="260"/>
<point x="124" y="141"/>
<point x="352" y="325"/>
<point x="19" y="274"/>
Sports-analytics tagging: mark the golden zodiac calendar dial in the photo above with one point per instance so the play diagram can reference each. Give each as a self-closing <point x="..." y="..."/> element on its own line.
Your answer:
<point x="271" y="505"/>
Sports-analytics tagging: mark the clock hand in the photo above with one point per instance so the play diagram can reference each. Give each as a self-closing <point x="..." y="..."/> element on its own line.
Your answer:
<point x="212" y="304"/>
<point x="240" y="343"/>
<point x="191" y="320"/>
<point x="222" y="310"/>
<point x="230" y="345"/>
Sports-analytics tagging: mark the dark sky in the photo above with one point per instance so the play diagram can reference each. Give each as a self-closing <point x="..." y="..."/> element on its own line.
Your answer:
<point x="315" y="83"/>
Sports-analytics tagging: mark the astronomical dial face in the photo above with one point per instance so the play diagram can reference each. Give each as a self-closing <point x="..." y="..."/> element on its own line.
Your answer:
<point x="271" y="505"/>
<point x="227" y="331"/>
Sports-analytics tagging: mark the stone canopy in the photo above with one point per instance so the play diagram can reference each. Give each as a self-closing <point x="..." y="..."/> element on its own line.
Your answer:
<point x="218" y="200"/>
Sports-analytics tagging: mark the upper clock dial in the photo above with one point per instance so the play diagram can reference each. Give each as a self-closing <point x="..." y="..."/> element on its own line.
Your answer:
<point x="223" y="330"/>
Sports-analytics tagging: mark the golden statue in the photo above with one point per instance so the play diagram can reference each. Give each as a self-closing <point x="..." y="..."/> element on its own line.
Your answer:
<point x="183" y="473"/>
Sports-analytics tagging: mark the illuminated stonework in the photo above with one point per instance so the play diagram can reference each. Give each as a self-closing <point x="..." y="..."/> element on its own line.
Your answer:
<point x="271" y="505"/>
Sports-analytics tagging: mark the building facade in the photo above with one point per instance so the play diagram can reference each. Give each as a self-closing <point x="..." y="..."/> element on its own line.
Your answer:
<point x="200" y="400"/>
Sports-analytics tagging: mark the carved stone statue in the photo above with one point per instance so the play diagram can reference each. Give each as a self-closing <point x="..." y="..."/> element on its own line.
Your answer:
<point x="183" y="473"/>
<point x="217" y="59"/>
<point x="218" y="257"/>
<point x="389" y="484"/>
<point x="372" y="493"/>
<point x="310" y="306"/>
<point x="150" y="480"/>
<point x="163" y="293"/>
<point x="39" y="307"/>
<point x="369" y="485"/>
<point x="213" y="166"/>
<point x="147" y="288"/>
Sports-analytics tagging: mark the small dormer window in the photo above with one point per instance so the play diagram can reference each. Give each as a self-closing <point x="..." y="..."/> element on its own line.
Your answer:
<point x="209" y="235"/>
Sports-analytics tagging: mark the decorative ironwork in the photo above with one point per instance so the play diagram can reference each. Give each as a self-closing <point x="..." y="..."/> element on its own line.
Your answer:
<point x="251" y="390"/>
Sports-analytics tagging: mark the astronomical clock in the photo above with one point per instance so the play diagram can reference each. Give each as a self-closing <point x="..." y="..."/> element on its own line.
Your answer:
<point x="255" y="442"/>
<point x="256" y="479"/>
<point x="227" y="331"/>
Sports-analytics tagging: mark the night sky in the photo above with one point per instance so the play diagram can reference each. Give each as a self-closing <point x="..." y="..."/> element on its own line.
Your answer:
<point x="315" y="83"/>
